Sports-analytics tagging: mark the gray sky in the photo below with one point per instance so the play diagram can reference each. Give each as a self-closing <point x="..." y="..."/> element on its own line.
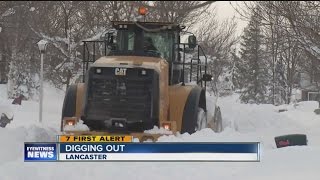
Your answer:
<point x="225" y="10"/>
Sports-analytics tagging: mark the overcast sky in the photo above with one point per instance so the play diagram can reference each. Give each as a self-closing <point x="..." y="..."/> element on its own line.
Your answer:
<point x="225" y="10"/>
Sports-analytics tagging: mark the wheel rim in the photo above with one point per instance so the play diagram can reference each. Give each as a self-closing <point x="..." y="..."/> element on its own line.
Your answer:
<point x="201" y="120"/>
<point x="218" y="123"/>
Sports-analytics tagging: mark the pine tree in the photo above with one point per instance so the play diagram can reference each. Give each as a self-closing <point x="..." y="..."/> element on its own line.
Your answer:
<point x="236" y="69"/>
<point x="252" y="66"/>
<point x="22" y="77"/>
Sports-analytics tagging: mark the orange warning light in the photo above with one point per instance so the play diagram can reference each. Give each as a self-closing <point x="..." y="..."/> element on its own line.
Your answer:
<point x="142" y="10"/>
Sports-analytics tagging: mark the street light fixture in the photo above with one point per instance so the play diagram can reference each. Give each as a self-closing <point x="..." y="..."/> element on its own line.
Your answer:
<point x="42" y="47"/>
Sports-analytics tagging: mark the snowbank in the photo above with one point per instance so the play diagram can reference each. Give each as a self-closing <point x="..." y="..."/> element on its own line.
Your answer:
<point x="78" y="127"/>
<point x="5" y="109"/>
<point x="305" y="106"/>
<point x="3" y="92"/>
<point x="157" y="130"/>
<point x="12" y="140"/>
<point x="242" y="122"/>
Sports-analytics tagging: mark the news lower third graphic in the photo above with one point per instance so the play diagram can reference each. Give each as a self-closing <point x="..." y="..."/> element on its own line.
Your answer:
<point x="158" y="152"/>
<point x="121" y="148"/>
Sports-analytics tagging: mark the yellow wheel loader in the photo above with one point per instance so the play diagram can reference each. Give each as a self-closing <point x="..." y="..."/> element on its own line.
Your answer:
<point x="139" y="77"/>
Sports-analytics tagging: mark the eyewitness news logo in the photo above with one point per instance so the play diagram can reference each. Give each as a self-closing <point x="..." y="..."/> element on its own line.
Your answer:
<point x="40" y="152"/>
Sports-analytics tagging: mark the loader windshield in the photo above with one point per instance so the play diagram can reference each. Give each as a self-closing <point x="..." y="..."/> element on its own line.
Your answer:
<point x="163" y="43"/>
<point x="158" y="44"/>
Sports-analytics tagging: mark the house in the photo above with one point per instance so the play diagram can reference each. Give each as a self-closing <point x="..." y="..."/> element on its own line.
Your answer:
<point x="310" y="90"/>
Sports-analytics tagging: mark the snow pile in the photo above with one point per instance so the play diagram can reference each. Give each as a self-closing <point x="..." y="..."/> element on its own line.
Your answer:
<point x="78" y="127"/>
<point x="12" y="140"/>
<point x="303" y="106"/>
<point x="208" y="135"/>
<point x="4" y="109"/>
<point x="157" y="130"/>
<point x="3" y="92"/>
<point x="307" y="106"/>
<point x="27" y="114"/>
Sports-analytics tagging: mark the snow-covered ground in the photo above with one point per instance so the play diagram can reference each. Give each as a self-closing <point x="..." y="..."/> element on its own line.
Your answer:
<point x="242" y="122"/>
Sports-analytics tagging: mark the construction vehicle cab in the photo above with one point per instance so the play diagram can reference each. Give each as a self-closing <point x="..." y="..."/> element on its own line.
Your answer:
<point x="137" y="77"/>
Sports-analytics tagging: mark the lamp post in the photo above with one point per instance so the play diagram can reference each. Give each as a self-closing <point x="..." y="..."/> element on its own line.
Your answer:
<point x="42" y="47"/>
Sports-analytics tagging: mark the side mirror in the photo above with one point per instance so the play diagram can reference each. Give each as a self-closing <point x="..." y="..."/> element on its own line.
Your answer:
<point x="109" y="40"/>
<point x="192" y="41"/>
<point x="207" y="77"/>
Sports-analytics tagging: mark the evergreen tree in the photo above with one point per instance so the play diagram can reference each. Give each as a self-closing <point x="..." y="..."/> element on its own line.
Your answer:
<point x="236" y="69"/>
<point x="23" y="79"/>
<point x="253" y="65"/>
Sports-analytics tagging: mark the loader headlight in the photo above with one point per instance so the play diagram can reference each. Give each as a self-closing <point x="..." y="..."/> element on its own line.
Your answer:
<point x="142" y="72"/>
<point x="123" y="26"/>
<point x="166" y="126"/>
<point x="98" y="70"/>
<point x="70" y="122"/>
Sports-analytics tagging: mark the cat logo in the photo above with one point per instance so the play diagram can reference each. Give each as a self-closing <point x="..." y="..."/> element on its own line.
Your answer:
<point x="120" y="71"/>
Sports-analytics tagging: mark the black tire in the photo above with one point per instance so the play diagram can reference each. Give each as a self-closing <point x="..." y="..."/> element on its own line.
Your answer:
<point x="190" y="113"/>
<point x="69" y="103"/>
